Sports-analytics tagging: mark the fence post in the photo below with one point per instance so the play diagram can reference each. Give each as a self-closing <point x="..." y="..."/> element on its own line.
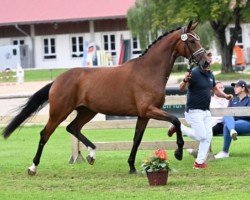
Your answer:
<point x="76" y="153"/>
<point x="19" y="74"/>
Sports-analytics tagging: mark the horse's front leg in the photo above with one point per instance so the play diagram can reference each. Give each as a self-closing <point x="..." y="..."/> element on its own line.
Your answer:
<point x="159" y="114"/>
<point x="139" y="131"/>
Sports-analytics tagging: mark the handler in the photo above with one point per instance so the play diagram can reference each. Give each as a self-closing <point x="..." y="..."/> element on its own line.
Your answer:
<point x="199" y="83"/>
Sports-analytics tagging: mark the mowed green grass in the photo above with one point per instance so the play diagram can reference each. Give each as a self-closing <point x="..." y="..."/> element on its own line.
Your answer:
<point x="108" y="178"/>
<point x="42" y="74"/>
<point x="51" y="74"/>
<point x="32" y="75"/>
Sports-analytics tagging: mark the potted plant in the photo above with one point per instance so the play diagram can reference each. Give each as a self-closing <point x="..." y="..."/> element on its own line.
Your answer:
<point x="157" y="168"/>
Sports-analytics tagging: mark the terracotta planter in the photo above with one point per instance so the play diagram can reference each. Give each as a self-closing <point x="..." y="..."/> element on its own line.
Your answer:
<point x="157" y="178"/>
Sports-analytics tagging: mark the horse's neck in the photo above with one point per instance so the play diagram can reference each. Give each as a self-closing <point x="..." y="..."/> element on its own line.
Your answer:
<point x="159" y="61"/>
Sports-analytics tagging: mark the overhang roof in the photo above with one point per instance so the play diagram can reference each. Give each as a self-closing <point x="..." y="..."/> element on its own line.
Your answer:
<point x="46" y="11"/>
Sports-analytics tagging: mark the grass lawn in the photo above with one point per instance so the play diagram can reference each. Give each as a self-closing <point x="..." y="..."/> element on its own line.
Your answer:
<point x="233" y="76"/>
<point x="108" y="178"/>
<point x="51" y="74"/>
<point x="33" y="75"/>
<point x="42" y="74"/>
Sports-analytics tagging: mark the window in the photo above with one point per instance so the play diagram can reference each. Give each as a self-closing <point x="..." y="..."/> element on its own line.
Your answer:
<point x="49" y="48"/>
<point x="14" y="52"/>
<point x="239" y="40"/>
<point x="18" y="42"/>
<point x="77" y="46"/>
<point x="136" y="49"/>
<point x="109" y="43"/>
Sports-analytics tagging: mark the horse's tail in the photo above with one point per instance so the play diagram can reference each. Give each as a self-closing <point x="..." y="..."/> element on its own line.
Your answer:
<point x="35" y="103"/>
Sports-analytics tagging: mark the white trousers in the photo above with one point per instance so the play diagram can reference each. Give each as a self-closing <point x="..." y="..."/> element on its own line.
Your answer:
<point x="201" y="130"/>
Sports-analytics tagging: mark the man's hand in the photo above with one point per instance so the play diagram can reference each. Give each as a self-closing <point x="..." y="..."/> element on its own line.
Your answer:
<point x="185" y="81"/>
<point x="229" y="96"/>
<point x="187" y="77"/>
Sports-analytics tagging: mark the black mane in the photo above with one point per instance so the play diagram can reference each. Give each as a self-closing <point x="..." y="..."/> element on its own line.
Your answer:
<point x="159" y="38"/>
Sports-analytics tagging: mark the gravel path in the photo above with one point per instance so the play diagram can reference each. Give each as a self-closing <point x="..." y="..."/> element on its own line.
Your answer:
<point x="24" y="88"/>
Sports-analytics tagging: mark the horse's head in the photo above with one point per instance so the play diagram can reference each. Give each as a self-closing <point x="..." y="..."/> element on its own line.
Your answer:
<point x="189" y="47"/>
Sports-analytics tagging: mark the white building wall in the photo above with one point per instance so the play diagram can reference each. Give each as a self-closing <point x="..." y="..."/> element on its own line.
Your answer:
<point x="63" y="48"/>
<point x="246" y="40"/>
<point x="99" y="41"/>
<point x="63" y="53"/>
<point x="5" y="41"/>
<point x="9" y="41"/>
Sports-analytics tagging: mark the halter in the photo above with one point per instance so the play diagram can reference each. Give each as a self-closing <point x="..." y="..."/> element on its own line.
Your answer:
<point x="194" y="56"/>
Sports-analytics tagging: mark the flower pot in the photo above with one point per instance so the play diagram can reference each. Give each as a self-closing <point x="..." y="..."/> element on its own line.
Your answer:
<point x="158" y="177"/>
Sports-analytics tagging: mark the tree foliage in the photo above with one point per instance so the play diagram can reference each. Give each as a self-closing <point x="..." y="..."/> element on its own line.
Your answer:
<point x="219" y="14"/>
<point x="164" y="14"/>
<point x="140" y="20"/>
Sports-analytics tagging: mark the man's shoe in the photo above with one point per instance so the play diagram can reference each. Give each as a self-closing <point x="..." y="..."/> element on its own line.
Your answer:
<point x="171" y="131"/>
<point x="199" y="166"/>
<point x="233" y="134"/>
<point x="194" y="153"/>
<point x="221" y="154"/>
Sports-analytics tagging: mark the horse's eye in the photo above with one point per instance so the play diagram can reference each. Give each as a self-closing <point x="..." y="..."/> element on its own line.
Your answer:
<point x="192" y="41"/>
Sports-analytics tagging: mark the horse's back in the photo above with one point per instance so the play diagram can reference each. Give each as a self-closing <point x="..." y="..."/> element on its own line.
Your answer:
<point x="102" y="89"/>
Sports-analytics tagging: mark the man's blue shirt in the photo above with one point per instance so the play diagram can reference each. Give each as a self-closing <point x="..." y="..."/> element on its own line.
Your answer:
<point x="199" y="89"/>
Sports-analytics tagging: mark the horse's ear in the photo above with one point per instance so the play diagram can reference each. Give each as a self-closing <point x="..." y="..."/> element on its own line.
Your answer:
<point x="194" y="25"/>
<point x="189" y="26"/>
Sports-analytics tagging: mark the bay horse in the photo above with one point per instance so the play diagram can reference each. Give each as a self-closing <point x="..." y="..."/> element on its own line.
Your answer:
<point x="135" y="88"/>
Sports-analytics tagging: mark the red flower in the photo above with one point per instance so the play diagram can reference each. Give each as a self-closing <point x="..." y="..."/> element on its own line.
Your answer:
<point x="160" y="153"/>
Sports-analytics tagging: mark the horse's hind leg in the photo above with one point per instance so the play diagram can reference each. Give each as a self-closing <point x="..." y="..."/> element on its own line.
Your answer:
<point x="139" y="131"/>
<point x="84" y="115"/>
<point x="44" y="137"/>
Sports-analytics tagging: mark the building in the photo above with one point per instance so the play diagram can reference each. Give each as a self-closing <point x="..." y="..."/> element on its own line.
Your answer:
<point x="57" y="32"/>
<point x="243" y="42"/>
<point x="243" y="39"/>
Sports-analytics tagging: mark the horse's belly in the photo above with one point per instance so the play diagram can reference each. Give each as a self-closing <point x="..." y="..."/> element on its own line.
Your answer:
<point x="114" y="108"/>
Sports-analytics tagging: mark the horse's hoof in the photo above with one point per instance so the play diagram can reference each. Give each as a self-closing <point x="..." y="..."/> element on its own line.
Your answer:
<point x="31" y="173"/>
<point x="171" y="131"/>
<point x="132" y="171"/>
<point x="178" y="154"/>
<point x="90" y="160"/>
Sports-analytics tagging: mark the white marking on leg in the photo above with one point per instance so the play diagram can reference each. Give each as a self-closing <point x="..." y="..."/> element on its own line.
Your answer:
<point x="32" y="168"/>
<point x="91" y="152"/>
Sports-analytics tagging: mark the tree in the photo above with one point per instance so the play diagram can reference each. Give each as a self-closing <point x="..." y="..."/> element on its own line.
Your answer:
<point x="140" y="21"/>
<point x="149" y="18"/>
<point x="219" y="14"/>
